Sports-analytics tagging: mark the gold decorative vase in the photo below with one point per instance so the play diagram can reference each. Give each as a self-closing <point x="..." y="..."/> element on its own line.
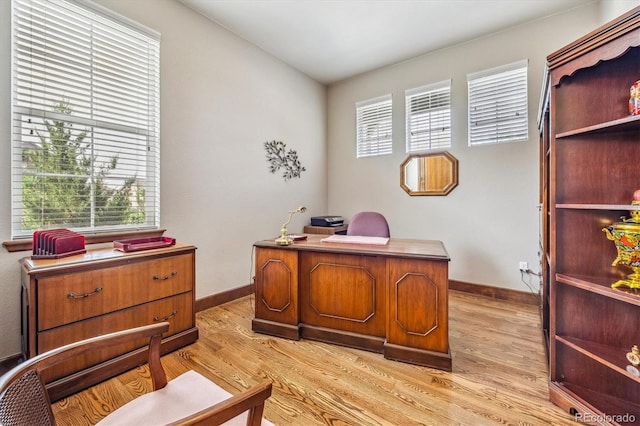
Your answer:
<point x="626" y="237"/>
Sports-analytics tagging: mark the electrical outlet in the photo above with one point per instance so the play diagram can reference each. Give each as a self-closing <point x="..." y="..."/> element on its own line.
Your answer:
<point x="523" y="266"/>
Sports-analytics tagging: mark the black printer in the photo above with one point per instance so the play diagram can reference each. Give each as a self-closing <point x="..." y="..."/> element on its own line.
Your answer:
<point x="327" y="221"/>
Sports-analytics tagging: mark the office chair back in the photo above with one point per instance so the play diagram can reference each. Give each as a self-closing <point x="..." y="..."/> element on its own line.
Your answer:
<point x="368" y="224"/>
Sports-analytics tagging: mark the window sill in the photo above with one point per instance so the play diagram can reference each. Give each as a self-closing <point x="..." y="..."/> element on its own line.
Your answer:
<point x="27" y="244"/>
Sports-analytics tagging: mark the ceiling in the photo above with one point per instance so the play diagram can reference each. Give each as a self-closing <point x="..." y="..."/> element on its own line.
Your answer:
<point x="330" y="40"/>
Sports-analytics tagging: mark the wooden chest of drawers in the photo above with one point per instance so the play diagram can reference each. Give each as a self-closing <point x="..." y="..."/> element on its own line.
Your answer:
<point x="102" y="291"/>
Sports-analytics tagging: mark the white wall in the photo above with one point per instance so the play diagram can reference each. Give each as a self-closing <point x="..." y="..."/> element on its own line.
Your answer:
<point x="221" y="99"/>
<point x="611" y="9"/>
<point x="490" y="221"/>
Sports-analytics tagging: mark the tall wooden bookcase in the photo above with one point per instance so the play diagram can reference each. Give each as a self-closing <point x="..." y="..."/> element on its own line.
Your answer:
<point x="590" y="152"/>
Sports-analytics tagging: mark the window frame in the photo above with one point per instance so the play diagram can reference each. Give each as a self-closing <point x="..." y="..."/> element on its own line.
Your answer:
<point x="506" y="87"/>
<point x="375" y="117"/>
<point x="435" y="98"/>
<point x="140" y="142"/>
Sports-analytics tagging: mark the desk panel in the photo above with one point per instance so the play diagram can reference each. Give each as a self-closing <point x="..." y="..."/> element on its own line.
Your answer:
<point x="277" y="306"/>
<point x="418" y="294"/>
<point x="343" y="293"/>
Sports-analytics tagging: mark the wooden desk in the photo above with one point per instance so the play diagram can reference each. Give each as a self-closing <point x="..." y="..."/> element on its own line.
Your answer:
<point x="391" y="299"/>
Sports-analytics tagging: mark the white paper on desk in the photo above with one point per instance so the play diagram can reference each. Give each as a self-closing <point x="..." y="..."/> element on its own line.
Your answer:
<point x="356" y="239"/>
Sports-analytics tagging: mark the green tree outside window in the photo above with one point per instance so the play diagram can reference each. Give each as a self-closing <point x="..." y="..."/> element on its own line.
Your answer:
<point x="64" y="184"/>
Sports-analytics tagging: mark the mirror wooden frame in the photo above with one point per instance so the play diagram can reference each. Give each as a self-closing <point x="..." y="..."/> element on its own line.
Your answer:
<point x="439" y="179"/>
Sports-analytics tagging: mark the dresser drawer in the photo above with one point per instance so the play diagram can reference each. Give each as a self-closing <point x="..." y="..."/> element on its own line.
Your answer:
<point x="177" y="310"/>
<point x="67" y="298"/>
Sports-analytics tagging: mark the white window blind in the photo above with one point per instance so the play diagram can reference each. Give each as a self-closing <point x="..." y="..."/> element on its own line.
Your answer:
<point x="373" y="127"/>
<point x="428" y="117"/>
<point x="85" y="119"/>
<point x="498" y="105"/>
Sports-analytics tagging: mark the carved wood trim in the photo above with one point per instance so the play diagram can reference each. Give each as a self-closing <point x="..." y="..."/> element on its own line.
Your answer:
<point x="608" y="42"/>
<point x="426" y="283"/>
<point x="276" y="263"/>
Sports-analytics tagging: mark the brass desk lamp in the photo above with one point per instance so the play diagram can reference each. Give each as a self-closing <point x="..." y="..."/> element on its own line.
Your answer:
<point x="284" y="239"/>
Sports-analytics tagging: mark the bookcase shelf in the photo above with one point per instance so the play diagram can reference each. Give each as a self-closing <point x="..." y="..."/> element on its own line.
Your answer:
<point x="600" y="286"/>
<point x="589" y="151"/>
<point x="622" y="124"/>
<point x="620" y="207"/>
<point x="603" y="354"/>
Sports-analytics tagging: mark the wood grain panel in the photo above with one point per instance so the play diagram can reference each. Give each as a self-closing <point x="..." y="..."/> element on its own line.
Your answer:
<point x="418" y="324"/>
<point x="177" y="310"/>
<point x="418" y="300"/>
<point x="277" y="285"/>
<point x="416" y="293"/>
<point x="104" y="290"/>
<point x="343" y="292"/>
<point x="438" y="170"/>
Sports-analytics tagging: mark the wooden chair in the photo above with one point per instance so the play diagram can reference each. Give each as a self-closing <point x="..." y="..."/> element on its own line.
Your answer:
<point x="189" y="399"/>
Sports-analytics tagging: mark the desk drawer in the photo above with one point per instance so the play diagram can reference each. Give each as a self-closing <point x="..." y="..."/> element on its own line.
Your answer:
<point x="64" y="299"/>
<point x="177" y="310"/>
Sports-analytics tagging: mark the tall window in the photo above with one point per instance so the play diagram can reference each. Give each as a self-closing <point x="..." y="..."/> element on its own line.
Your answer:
<point x="85" y="119"/>
<point x="428" y="117"/>
<point x="373" y="127"/>
<point x="498" y="105"/>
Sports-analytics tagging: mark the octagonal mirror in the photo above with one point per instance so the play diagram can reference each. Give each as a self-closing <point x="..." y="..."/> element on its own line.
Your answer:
<point x="432" y="173"/>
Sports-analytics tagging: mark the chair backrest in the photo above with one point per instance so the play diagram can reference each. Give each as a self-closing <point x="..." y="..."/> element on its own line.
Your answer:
<point x="368" y="224"/>
<point x="26" y="402"/>
<point x="24" y="399"/>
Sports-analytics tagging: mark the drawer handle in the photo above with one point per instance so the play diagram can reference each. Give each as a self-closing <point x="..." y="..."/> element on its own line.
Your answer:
<point x="167" y="318"/>
<point x="72" y="295"/>
<point x="166" y="277"/>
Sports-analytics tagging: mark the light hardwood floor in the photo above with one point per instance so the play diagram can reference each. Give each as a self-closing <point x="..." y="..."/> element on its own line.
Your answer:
<point x="499" y="373"/>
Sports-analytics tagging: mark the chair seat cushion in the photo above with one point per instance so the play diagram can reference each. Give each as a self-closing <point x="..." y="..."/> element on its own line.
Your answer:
<point x="183" y="396"/>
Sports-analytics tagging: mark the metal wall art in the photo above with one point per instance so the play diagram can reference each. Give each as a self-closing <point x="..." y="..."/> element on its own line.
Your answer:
<point x="278" y="157"/>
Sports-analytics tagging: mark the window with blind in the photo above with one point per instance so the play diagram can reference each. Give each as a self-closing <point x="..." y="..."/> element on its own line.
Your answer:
<point x="85" y="119"/>
<point x="428" y="117"/>
<point x="373" y="127"/>
<point x="498" y="105"/>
